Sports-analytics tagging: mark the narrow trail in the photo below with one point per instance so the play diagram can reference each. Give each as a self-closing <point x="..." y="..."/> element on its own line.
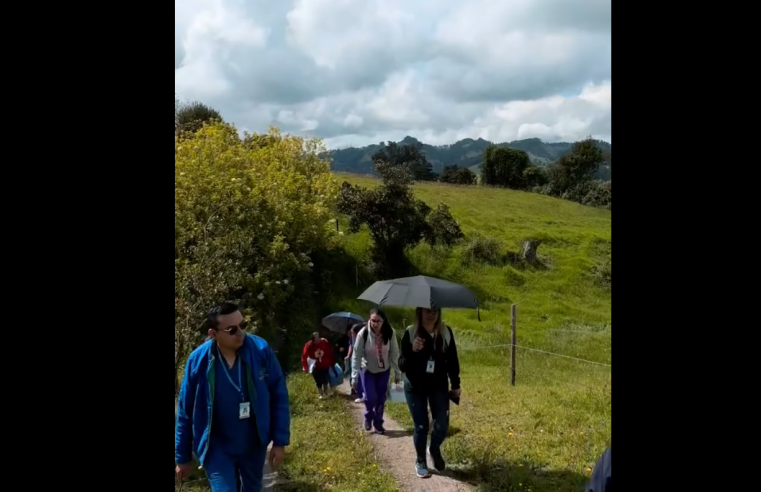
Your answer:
<point x="396" y="454"/>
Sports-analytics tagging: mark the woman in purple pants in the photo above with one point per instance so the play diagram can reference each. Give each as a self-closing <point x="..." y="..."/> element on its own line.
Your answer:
<point x="376" y="352"/>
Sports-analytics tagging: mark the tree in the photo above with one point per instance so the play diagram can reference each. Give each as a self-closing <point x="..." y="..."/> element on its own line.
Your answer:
<point x="503" y="166"/>
<point x="395" y="218"/>
<point x="407" y="155"/>
<point x="245" y="228"/>
<point x="190" y="117"/>
<point x="576" y="167"/>
<point x="457" y="175"/>
<point x="534" y="176"/>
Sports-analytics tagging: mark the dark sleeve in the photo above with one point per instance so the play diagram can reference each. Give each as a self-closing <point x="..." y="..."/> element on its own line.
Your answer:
<point x="453" y="362"/>
<point x="600" y="479"/>
<point x="406" y="351"/>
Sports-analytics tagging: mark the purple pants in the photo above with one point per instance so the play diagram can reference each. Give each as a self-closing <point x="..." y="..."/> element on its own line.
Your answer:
<point x="375" y="387"/>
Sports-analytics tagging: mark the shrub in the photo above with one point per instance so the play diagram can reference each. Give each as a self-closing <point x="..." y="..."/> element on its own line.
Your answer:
<point x="246" y="220"/>
<point x="483" y="249"/>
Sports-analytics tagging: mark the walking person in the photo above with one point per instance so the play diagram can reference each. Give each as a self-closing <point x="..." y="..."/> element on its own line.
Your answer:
<point x="376" y="352"/>
<point x="430" y="364"/>
<point x="358" y="392"/>
<point x="321" y="351"/>
<point x="234" y="380"/>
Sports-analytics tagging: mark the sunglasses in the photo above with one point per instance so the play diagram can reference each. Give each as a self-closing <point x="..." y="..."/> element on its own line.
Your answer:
<point x="233" y="330"/>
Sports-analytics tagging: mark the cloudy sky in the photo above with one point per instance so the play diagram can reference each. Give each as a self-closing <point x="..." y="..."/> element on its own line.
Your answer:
<point x="356" y="72"/>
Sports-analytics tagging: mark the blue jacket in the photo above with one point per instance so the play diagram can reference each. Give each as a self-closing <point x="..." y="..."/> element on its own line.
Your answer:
<point x="266" y="384"/>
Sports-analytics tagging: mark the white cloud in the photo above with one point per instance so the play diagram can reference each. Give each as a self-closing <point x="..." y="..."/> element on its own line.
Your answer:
<point x="361" y="71"/>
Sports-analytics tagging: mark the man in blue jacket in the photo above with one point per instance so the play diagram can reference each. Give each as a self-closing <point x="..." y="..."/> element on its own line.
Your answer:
<point x="233" y="380"/>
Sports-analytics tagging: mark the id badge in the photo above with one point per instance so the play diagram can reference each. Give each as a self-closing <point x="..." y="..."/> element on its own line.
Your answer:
<point x="381" y="364"/>
<point x="429" y="368"/>
<point x="244" y="412"/>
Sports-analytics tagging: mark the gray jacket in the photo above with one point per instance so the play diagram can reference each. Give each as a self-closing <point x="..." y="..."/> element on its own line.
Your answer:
<point x="367" y="353"/>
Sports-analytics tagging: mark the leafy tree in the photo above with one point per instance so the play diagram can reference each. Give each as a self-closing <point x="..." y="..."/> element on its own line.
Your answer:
<point x="395" y="218"/>
<point x="505" y="167"/>
<point x="534" y="176"/>
<point x="576" y="167"/>
<point x="406" y="155"/>
<point x="457" y="175"/>
<point x="245" y="228"/>
<point x="190" y="117"/>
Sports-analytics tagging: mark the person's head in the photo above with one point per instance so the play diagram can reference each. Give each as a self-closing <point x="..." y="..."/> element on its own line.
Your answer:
<point x="430" y="318"/>
<point x="427" y="317"/>
<point x="378" y="321"/>
<point x="227" y="326"/>
<point x="315" y="337"/>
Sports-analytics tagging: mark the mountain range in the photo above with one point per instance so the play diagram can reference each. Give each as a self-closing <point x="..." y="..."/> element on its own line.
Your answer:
<point x="464" y="153"/>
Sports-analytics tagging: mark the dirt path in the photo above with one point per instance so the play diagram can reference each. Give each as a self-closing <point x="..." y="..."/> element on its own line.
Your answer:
<point x="397" y="455"/>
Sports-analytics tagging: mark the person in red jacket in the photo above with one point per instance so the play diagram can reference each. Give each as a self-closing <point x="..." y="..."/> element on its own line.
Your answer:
<point x="321" y="351"/>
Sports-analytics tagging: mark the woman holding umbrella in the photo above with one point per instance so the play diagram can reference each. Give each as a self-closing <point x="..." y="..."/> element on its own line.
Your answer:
<point x="376" y="351"/>
<point x="430" y="363"/>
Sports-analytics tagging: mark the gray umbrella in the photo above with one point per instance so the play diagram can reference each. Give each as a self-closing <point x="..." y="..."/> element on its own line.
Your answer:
<point x="420" y="291"/>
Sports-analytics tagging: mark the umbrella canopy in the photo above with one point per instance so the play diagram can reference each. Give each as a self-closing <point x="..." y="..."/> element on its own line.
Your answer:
<point x="341" y="322"/>
<point x="420" y="291"/>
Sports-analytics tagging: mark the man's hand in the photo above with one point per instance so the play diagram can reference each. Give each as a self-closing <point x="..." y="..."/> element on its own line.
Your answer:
<point x="456" y="392"/>
<point x="277" y="453"/>
<point x="183" y="471"/>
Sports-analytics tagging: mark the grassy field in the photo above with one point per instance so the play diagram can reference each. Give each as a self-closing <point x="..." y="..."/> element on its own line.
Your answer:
<point x="325" y="452"/>
<point x="546" y="432"/>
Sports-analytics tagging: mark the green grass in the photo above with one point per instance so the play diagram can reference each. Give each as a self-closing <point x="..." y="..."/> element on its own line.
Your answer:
<point x="547" y="431"/>
<point x="326" y="453"/>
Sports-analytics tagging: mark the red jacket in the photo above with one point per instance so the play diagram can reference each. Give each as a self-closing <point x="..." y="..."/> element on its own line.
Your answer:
<point x="327" y="361"/>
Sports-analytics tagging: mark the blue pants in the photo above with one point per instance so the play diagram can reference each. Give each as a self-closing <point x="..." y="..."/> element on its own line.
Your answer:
<point x="418" y="405"/>
<point x="236" y="473"/>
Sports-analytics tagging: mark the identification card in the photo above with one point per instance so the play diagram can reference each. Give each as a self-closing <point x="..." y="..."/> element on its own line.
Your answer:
<point x="244" y="412"/>
<point x="381" y="364"/>
<point x="430" y="367"/>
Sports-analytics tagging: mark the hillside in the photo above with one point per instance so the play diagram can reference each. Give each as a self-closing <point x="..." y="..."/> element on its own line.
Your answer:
<point x="464" y="153"/>
<point x="546" y="432"/>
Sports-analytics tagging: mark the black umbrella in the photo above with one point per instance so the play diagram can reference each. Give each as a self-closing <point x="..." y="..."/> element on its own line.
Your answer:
<point x="341" y="322"/>
<point x="420" y="291"/>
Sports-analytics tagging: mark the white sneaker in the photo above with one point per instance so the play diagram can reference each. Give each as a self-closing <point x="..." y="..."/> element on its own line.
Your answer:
<point x="359" y="400"/>
<point x="320" y="397"/>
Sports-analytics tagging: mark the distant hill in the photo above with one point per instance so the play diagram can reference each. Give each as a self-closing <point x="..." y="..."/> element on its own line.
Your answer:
<point x="465" y="153"/>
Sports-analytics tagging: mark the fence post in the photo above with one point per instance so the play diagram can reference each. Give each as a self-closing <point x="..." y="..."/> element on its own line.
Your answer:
<point x="337" y="230"/>
<point x="512" y="346"/>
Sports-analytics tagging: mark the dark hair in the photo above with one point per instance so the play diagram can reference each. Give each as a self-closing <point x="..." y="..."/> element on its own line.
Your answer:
<point x="356" y="328"/>
<point x="386" y="331"/>
<point x="438" y="327"/>
<point x="212" y="318"/>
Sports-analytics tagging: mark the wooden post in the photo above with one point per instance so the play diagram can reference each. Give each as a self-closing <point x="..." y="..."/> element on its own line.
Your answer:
<point x="512" y="346"/>
<point x="337" y="225"/>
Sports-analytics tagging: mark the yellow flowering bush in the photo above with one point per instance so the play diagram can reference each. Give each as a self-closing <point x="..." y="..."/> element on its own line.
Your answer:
<point x="248" y="213"/>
